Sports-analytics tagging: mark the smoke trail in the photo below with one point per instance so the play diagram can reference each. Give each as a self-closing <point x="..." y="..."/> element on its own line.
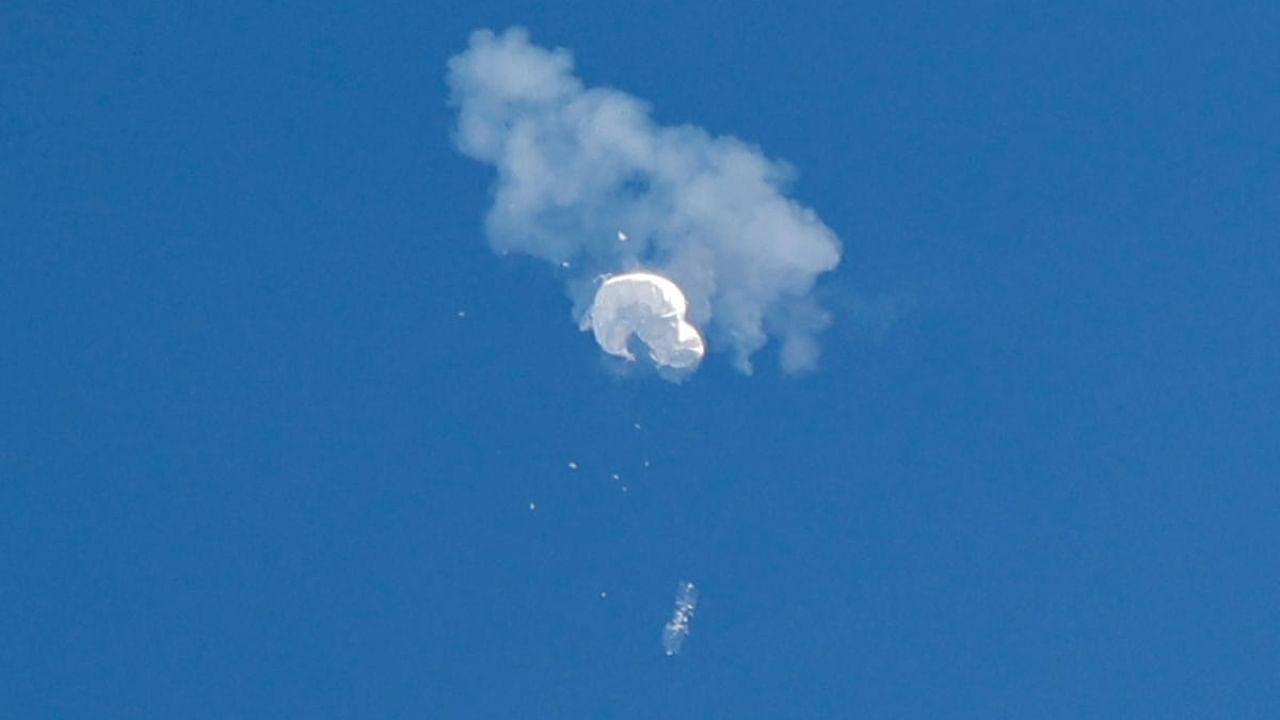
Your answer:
<point x="576" y="165"/>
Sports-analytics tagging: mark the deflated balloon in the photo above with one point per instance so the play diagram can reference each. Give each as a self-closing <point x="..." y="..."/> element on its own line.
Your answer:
<point x="651" y="308"/>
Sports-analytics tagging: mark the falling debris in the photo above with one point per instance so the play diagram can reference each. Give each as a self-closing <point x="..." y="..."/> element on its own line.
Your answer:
<point x="573" y="465"/>
<point x="646" y="463"/>
<point x="603" y="594"/>
<point x="636" y="425"/>
<point x="649" y="307"/>
<point x="615" y="476"/>
<point x="674" y="632"/>
<point x="533" y="505"/>
<point x="462" y="313"/>
<point x="622" y="237"/>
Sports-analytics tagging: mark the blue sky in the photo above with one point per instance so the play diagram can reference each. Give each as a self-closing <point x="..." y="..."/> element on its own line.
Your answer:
<point x="254" y="464"/>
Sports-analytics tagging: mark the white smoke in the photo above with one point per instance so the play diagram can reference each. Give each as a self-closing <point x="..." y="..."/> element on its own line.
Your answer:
<point x="576" y="165"/>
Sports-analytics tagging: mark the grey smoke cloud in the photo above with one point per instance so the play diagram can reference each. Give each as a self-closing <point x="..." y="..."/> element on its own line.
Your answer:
<point x="576" y="164"/>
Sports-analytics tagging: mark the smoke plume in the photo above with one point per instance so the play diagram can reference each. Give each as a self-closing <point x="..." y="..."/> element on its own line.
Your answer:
<point x="577" y="165"/>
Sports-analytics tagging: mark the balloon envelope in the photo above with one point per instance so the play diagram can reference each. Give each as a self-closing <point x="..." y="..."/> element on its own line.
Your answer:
<point x="650" y="307"/>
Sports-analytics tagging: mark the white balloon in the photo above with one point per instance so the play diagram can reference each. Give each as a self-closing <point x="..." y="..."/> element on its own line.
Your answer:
<point x="649" y="307"/>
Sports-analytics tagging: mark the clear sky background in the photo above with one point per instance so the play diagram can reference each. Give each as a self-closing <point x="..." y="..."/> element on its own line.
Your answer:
<point x="253" y="464"/>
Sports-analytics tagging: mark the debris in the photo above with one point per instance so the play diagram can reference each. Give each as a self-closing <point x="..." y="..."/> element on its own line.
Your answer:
<point x="677" y="628"/>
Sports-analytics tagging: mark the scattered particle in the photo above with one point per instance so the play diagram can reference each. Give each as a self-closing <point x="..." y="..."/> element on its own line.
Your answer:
<point x="636" y="426"/>
<point x="616" y="476"/>
<point x="646" y="463"/>
<point x="564" y="263"/>
<point x="604" y="594"/>
<point x="624" y="488"/>
<point x="573" y="465"/>
<point x="462" y="313"/>
<point x="533" y="505"/>
<point x="622" y="237"/>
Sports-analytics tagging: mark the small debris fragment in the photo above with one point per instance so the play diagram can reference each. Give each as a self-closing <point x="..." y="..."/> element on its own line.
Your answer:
<point x="573" y="465"/>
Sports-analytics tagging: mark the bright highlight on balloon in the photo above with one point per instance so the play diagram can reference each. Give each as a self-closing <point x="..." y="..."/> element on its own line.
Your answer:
<point x="651" y="308"/>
